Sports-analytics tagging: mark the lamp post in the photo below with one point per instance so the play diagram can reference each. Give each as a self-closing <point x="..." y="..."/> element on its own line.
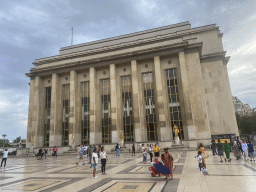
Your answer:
<point x="4" y="139"/>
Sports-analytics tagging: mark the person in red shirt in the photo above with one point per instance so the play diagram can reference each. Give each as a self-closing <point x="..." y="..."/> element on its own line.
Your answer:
<point x="55" y="151"/>
<point x="153" y="169"/>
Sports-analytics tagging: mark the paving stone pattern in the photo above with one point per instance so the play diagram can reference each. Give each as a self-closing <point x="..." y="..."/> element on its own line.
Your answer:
<point x="126" y="173"/>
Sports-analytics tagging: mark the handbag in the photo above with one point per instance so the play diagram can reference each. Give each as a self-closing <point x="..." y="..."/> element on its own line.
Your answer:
<point x="205" y="154"/>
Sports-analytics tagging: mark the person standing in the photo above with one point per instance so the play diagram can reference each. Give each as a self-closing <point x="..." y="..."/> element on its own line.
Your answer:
<point x="156" y="150"/>
<point x="250" y="151"/>
<point x="220" y="150"/>
<point x="213" y="147"/>
<point x="117" y="150"/>
<point x="94" y="162"/>
<point x="4" y="159"/>
<point x="168" y="162"/>
<point x="104" y="159"/>
<point x="45" y="153"/>
<point x="150" y="151"/>
<point x="144" y="153"/>
<point x="227" y="149"/>
<point x="133" y="149"/>
<point x="237" y="152"/>
<point x="201" y="149"/>
<point x="55" y="151"/>
<point x="245" y="150"/>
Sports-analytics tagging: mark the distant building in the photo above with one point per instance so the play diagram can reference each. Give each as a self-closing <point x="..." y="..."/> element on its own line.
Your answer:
<point x="240" y="108"/>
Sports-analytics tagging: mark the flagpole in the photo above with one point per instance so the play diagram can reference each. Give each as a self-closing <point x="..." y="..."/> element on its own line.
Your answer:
<point x="72" y="37"/>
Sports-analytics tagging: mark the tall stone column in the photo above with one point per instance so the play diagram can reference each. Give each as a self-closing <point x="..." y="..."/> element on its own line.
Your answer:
<point x="73" y="130"/>
<point x="39" y="108"/>
<point x="30" y="114"/>
<point x="56" y="113"/>
<point x="113" y="104"/>
<point x="164" y="133"/>
<point x="194" y="97"/>
<point x="190" y="130"/>
<point x="139" y="132"/>
<point x="95" y="137"/>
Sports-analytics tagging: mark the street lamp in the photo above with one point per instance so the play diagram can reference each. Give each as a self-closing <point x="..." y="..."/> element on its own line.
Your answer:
<point x="4" y="139"/>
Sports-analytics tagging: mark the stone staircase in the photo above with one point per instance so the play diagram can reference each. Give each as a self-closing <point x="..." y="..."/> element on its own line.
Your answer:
<point x="71" y="152"/>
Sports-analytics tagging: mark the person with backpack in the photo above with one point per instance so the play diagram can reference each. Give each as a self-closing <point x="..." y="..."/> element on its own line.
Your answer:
<point x="81" y="154"/>
<point x="251" y="151"/>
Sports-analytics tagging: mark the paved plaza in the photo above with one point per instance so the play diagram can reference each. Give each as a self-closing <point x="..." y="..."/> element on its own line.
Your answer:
<point x="126" y="173"/>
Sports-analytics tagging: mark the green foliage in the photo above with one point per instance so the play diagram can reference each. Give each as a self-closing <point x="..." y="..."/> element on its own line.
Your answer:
<point x="246" y="124"/>
<point x="17" y="140"/>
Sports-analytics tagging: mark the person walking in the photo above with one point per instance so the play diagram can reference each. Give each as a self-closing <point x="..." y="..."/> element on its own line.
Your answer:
<point x="156" y="150"/>
<point x="245" y="150"/>
<point x="251" y="151"/>
<point x="4" y="159"/>
<point x="39" y="154"/>
<point x="227" y="148"/>
<point x="237" y="152"/>
<point x="150" y="151"/>
<point x="55" y="151"/>
<point x="45" y="153"/>
<point x="144" y="153"/>
<point x="81" y="154"/>
<point x="133" y="149"/>
<point x="213" y="146"/>
<point x="201" y="149"/>
<point x="200" y="161"/>
<point x="220" y="150"/>
<point x="94" y="162"/>
<point x="168" y="162"/>
<point x="104" y="159"/>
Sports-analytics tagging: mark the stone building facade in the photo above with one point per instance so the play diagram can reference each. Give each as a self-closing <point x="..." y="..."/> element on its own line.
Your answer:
<point x="241" y="108"/>
<point x="138" y="85"/>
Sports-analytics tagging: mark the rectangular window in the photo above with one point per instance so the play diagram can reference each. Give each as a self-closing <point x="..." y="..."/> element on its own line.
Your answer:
<point x="174" y="103"/>
<point x="47" y="117"/>
<point x="85" y="113"/>
<point x="148" y="88"/>
<point x="65" y="122"/>
<point x="127" y="108"/>
<point x="105" y="109"/>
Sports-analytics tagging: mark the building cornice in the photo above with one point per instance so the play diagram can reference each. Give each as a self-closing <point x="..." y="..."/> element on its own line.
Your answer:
<point x="158" y="38"/>
<point x="215" y="57"/>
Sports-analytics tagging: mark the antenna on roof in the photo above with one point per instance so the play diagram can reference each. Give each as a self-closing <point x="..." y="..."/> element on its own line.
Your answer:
<point x="72" y="37"/>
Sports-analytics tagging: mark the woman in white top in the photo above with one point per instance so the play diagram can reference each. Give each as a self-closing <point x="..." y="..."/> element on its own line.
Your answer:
<point x="104" y="159"/>
<point x="150" y="150"/>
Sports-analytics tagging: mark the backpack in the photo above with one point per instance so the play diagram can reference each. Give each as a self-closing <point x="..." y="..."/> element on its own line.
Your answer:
<point x="205" y="154"/>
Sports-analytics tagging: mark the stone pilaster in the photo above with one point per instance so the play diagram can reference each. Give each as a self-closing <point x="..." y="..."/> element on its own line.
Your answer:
<point x="139" y="132"/>
<point x="56" y="113"/>
<point x="30" y="114"/>
<point x="164" y="133"/>
<point x="73" y="109"/>
<point x="190" y="130"/>
<point x="197" y="96"/>
<point x="113" y="100"/>
<point x="94" y="132"/>
<point x="39" y="108"/>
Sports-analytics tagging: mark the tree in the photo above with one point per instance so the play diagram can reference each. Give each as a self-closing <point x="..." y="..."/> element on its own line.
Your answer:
<point x="246" y="124"/>
<point x="17" y="140"/>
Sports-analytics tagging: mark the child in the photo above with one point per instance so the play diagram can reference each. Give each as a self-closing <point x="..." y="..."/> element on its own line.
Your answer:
<point x="200" y="160"/>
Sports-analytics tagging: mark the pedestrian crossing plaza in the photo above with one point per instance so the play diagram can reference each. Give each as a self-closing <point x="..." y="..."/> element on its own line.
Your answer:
<point x="126" y="174"/>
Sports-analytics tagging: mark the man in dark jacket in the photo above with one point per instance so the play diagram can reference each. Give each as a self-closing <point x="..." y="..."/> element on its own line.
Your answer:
<point x="213" y="147"/>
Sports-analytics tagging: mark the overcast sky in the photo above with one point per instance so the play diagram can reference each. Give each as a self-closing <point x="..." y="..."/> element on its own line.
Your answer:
<point x="31" y="30"/>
